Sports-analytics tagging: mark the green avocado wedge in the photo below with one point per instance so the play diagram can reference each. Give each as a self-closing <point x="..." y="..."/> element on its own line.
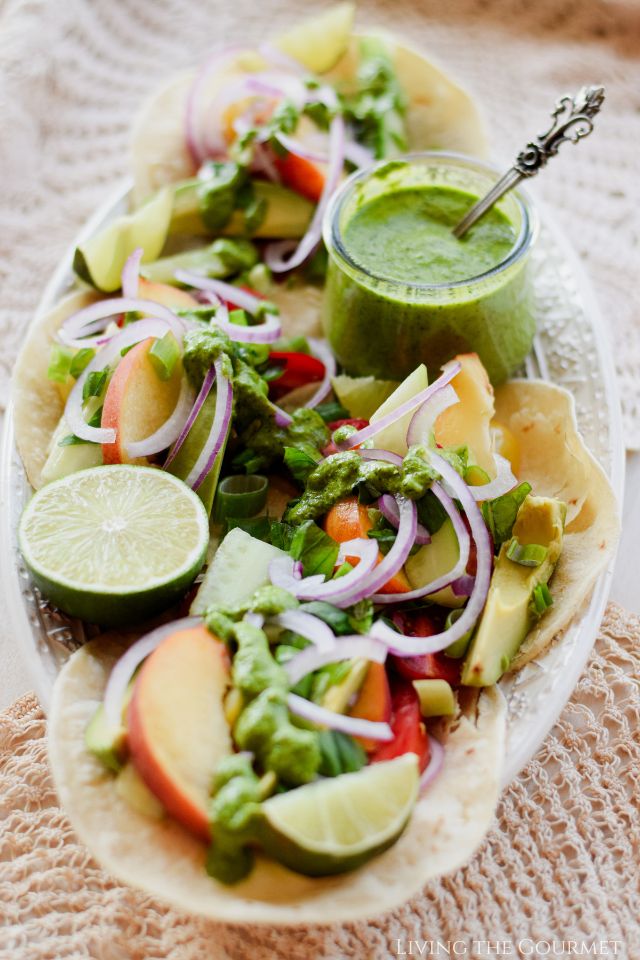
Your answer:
<point x="507" y="616"/>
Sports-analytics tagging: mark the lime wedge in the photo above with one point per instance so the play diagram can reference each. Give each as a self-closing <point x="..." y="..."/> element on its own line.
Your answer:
<point x="339" y="823"/>
<point x="114" y="544"/>
<point x="318" y="43"/>
<point x="362" y="395"/>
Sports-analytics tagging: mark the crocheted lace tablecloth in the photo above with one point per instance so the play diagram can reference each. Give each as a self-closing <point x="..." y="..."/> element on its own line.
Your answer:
<point x="560" y="864"/>
<point x="73" y="74"/>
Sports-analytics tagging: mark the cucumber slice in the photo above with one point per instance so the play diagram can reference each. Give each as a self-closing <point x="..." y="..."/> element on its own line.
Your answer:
<point x="99" y="260"/>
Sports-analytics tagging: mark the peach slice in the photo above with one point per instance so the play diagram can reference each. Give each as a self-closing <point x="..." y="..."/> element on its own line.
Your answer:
<point x="177" y="732"/>
<point x="168" y="296"/>
<point x="468" y="422"/>
<point x="137" y="401"/>
<point x="374" y="700"/>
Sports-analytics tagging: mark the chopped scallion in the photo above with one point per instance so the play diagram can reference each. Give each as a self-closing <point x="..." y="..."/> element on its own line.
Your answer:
<point x="526" y="554"/>
<point x="241" y="496"/>
<point x="164" y="354"/>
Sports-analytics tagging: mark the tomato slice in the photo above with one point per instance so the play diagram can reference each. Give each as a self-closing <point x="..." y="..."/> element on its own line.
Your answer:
<point x="298" y="369"/>
<point x="301" y="175"/>
<point x="350" y="421"/>
<point x="409" y="734"/>
<point x="427" y="666"/>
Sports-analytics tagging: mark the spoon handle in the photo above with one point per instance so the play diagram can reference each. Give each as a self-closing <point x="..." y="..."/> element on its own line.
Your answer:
<point x="572" y="119"/>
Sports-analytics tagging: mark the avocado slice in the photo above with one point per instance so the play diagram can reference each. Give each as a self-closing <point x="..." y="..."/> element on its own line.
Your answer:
<point x="99" y="260"/>
<point x="211" y="261"/>
<point x="287" y="213"/>
<point x="507" y="615"/>
<point x="338" y="697"/>
<point x="191" y="449"/>
<point x="133" y="790"/>
<point x="437" y="698"/>
<point x="107" y="743"/>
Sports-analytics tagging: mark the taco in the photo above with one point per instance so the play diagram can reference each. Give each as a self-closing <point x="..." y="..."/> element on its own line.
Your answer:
<point x="324" y="732"/>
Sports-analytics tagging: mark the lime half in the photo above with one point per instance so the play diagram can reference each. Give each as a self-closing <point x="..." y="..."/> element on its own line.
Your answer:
<point x="337" y="824"/>
<point x="114" y="544"/>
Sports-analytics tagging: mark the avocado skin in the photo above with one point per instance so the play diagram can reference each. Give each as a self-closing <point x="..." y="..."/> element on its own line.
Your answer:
<point x="104" y="742"/>
<point x="507" y="617"/>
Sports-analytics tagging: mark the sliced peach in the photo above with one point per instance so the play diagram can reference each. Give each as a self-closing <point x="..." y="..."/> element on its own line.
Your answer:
<point x="468" y="422"/>
<point x="347" y="520"/>
<point x="168" y="296"/>
<point x="374" y="701"/>
<point x="177" y="731"/>
<point x="137" y="401"/>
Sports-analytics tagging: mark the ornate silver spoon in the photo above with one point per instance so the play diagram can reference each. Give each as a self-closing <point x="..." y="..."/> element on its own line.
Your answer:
<point x="572" y="120"/>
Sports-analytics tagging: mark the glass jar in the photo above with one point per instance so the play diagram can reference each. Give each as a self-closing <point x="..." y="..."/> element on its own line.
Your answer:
<point x="384" y="326"/>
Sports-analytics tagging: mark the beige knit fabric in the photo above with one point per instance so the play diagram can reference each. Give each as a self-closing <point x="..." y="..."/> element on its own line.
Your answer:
<point x="73" y="73"/>
<point x="561" y="862"/>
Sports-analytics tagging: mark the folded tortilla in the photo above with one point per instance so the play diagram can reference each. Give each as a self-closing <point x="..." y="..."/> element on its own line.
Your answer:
<point x="161" y="858"/>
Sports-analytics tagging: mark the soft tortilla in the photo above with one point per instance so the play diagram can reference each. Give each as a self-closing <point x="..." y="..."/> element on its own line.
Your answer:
<point x="162" y="859"/>
<point x="440" y="116"/>
<point x="556" y="462"/>
<point x="37" y="402"/>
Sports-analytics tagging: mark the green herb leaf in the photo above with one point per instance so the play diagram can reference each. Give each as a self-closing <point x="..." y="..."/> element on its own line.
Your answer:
<point x="81" y="360"/>
<point x="316" y="550"/>
<point x="71" y="440"/>
<point x="331" y="411"/>
<point x="258" y="527"/>
<point x="301" y="461"/>
<point x="431" y="513"/>
<point x="94" y="384"/>
<point x="541" y="600"/>
<point x="281" y="534"/>
<point x="60" y="360"/>
<point x="500" y="514"/>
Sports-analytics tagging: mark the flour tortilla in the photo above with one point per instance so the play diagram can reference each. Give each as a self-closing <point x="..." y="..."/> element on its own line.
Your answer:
<point x="440" y="116"/>
<point x="162" y="859"/>
<point x="557" y="463"/>
<point x="37" y="402"/>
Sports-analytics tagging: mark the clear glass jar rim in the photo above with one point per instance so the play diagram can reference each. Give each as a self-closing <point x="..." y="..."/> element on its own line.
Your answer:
<point x="333" y="238"/>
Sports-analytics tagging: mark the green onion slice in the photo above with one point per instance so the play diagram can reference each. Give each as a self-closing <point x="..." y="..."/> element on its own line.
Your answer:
<point x="528" y="554"/>
<point x="164" y="354"/>
<point x="458" y="648"/>
<point x="242" y="495"/>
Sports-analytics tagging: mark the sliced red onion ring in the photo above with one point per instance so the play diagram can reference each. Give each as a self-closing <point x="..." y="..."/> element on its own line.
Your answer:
<point x="265" y="332"/>
<point x="165" y="435"/>
<point x="275" y="253"/>
<point x="125" y="667"/>
<point x="398" y="554"/>
<point x="344" y="648"/>
<point x="373" y="453"/>
<point x="422" y="422"/>
<point x="503" y="482"/>
<point x="407" y="407"/>
<point x="435" y="764"/>
<point x="282" y="418"/>
<point x="414" y="646"/>
<point x="254" y="619"/>
<point x="193" y="120"/>
<point x="354" y="726"/>
<point x="389" y="509"/>
<point x="86" y="320"/>
<point x="73" y="411"/>
<point x="338" y="592"/>
<point x="263" y="162"/>
<point x="131" y="273"/>
<point x="358" y="155"/>
<point x="207" y="383"/>
<point x="308" y="626"/>
<point x="271" y="83"/>
<point x="301" y="149"/>
<point x="463" y="586"/>
<point x="218" y="432"/>
<point x="456" y="571"/>
<point x="324" y="353"/>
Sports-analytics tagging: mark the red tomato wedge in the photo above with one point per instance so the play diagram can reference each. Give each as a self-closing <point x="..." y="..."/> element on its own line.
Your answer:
<point x="409" y="734"/>
<point x="298" y="369"/>
<point x="427" y="666"/>
<point x="301" y="175"/>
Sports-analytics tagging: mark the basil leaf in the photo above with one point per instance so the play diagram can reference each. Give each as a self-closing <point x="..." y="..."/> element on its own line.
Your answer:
<point x="332" y="411"/>
<point x="301" y="461"/>
<point x="315" y="549"/>
<point x="500" y="514"/>
<point x="431" y="513"/>
<point x="94" y="384"/>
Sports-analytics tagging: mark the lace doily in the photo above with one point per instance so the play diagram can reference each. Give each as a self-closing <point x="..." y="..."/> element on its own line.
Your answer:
<point x="561" y="862"/>
<point x="72" y="76"/>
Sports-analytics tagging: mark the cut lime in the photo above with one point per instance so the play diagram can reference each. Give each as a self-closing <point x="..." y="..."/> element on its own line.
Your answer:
<point x="318" y="43"/>
<point x="114" y="544"/>
<point x="362" y="395"/>
<point x="337" y="824"/>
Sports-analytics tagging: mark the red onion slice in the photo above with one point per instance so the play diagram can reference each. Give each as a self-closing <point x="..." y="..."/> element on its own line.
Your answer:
<point x="73" y="411"/>
<point x="218" y="432"/>
<point x="131" y="273"/>
<point x="456" y="571"/>
<point x="282" y="418"/>
<point x="265" y="332"/>
<point x="354" y="726"/>
<point x="172" y="428"/>
<point x="301" y="149"/>
<point x="308" y="626"/>
<point x="423" y="421"/>
<point x="254" y="619"/>
<point x="358" y="155"/>
<point x="414" y="646"/>
<point x="436" y="762"/>
<point x="207" y="383"/>
<point x="344" y="648"/>
<point x="195" y="138"/>
<point x="373" y="453"/>
<point x="323" y="352"/>
<point x="503" y="482"/>
<point x="275" y="253"/>
<point x="407" y="407"/>
<point x="340" y="591"/>
<point x="96" y="316"/>
<point x="398" y="554"/>
<point x="389" y="509"/>
<point x="127" y="664"/>
<point x="463" y="586"/>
